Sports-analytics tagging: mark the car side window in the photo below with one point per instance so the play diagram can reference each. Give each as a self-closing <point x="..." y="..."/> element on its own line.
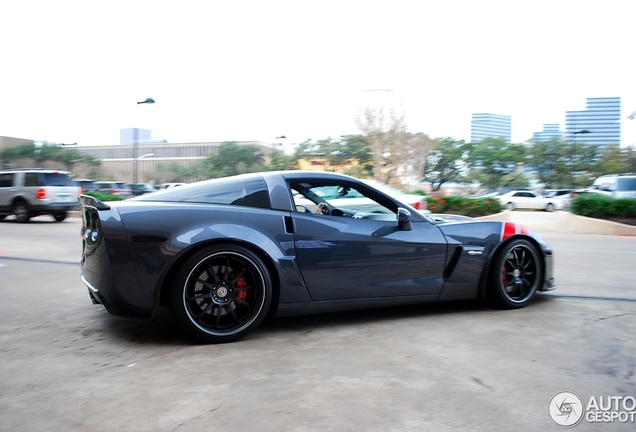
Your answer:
<point x="31" y="179"/>
<point x="342" y="200"/>
<point x="6" y="180"/>
<point x="241" y="191"/>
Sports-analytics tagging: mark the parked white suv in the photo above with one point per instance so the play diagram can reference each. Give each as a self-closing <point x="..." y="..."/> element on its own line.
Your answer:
<point x="616" y="185"/>
<point x="26" y="193"/>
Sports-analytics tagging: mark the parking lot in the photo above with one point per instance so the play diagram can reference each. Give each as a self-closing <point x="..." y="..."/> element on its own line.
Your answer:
<point x="67" y="364"/>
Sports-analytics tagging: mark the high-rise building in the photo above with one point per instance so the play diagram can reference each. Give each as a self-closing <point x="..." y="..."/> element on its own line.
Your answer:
<point x="130" y="135"/>
<point x="598" y="124"/>
<point x="550" y="131"/>
<point x="486" y="125"/>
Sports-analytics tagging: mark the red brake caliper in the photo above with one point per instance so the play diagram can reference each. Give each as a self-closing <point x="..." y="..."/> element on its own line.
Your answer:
<point x="241" y="294"/>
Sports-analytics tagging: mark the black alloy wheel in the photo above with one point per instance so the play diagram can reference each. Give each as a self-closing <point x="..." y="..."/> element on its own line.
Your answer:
<point x="221" y="294"/>
<point x="517" y="274"/>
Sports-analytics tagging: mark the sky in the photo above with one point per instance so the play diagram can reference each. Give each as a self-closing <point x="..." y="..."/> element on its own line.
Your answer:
<point x="73" y="71"/>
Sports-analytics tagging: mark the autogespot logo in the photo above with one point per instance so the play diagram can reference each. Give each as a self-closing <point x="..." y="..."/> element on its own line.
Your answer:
<point x="566" y="409"/>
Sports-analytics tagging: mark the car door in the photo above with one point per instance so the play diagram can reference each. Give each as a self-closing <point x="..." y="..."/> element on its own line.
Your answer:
<point x="7" y="191"/>
<point x="367" y="255"/>
<point x="524" y="200"/>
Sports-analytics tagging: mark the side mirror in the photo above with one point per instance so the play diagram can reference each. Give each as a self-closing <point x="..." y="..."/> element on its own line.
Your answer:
<point x="404" y="219"/>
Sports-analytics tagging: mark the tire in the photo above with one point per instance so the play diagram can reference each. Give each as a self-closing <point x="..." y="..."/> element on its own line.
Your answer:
<point x="229" y="308"/>
<point x="549" y="207"/>
<point x="21" y="212"/>
<point x="516" y="274"/>
<point x="510" y="206"/>
<point x="2" y="217"/>
<point x="59" y="217"/>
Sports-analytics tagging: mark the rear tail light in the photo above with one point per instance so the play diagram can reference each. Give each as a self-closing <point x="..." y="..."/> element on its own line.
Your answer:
<point x="116" y="191"/>
<point x="41" y="193"/>
<point x="82" y="190"/>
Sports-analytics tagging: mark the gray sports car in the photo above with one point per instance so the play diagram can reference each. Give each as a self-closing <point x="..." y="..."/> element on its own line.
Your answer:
<point x="224" y="254"/>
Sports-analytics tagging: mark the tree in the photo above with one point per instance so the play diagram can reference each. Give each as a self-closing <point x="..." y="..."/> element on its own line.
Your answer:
<point x="41" y="153"/>
<point x="447" y="162"/>
<point x="337" y="152"/>
<point x="384" y="129"/>
<point x="232" y="159"/>
<point x="496" y="158"/>
<point x="613" y="161"/>
<point x="562" y="164"/>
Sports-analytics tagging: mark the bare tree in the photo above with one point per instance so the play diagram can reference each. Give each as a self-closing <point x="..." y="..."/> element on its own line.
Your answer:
<point x="396" y="152"/>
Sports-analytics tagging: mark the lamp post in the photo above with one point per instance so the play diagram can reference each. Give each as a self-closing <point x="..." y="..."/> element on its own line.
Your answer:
<point x="574" y="157"/>
<point x="136" y="161"/>
<point x="68" y="162"/>
<point x="148" y="101"/>
<point x="274" y="150"/>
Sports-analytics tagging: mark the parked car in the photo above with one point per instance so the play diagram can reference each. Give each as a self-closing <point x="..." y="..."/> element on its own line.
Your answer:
<point x="141" y="188"/>
<point x="615" y="185"/>
<point x="224" y="254"/>
<point x="526" y="199"/>
<point x="115" y="188"/>
<point x="170" y="185"/>
<point x="564" y="195"/>
<point x="493" y="193"/>
<point x="26" y="193"/>
<point x="87" y="185"/>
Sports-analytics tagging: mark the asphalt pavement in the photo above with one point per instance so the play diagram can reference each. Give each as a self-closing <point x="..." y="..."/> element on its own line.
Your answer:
<point x="66" y="364"/>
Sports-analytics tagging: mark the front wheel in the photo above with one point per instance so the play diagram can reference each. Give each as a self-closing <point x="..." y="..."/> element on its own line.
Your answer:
<point x="221" y="294"/>
<point x="516" y="274"/>
<point x="510" y="206"/>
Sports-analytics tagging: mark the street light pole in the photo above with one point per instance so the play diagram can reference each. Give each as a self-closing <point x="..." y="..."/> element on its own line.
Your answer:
<point x="68" y="162"/>
<point x="274" y="150"/>
<point x="147" y="101"/>
<point x="574" y="156"/>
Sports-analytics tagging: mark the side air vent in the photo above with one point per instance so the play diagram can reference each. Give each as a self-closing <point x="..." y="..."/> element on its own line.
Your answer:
<point x="453" y="262"/>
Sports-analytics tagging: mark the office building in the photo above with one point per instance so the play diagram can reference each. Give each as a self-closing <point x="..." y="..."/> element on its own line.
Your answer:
<point x="132" y="135"/>
<point x="549" y="132"/>
<point x="486" y="125"/>
<point x="600" y="118"/>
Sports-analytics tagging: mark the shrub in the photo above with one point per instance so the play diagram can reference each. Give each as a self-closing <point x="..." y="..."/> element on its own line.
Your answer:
<point x="601" y="206"/>
<point x="104" y="196"/>
<point x="472" y="207"/>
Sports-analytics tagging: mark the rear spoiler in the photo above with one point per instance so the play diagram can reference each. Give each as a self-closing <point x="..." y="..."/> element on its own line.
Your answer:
<point x="87" y="200"/>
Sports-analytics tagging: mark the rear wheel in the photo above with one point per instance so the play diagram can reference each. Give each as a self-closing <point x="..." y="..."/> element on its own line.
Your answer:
<point x="517" y="274"/>
<point x="221" y="293"/>
<point x="59" y="217"/>
<point x="549" y="207"/>
<point x="2" y="217"/>
<point x="21" y="212"/>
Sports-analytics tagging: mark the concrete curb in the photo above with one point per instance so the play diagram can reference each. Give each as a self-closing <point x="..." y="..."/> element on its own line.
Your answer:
<point x="567" y="222"/>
